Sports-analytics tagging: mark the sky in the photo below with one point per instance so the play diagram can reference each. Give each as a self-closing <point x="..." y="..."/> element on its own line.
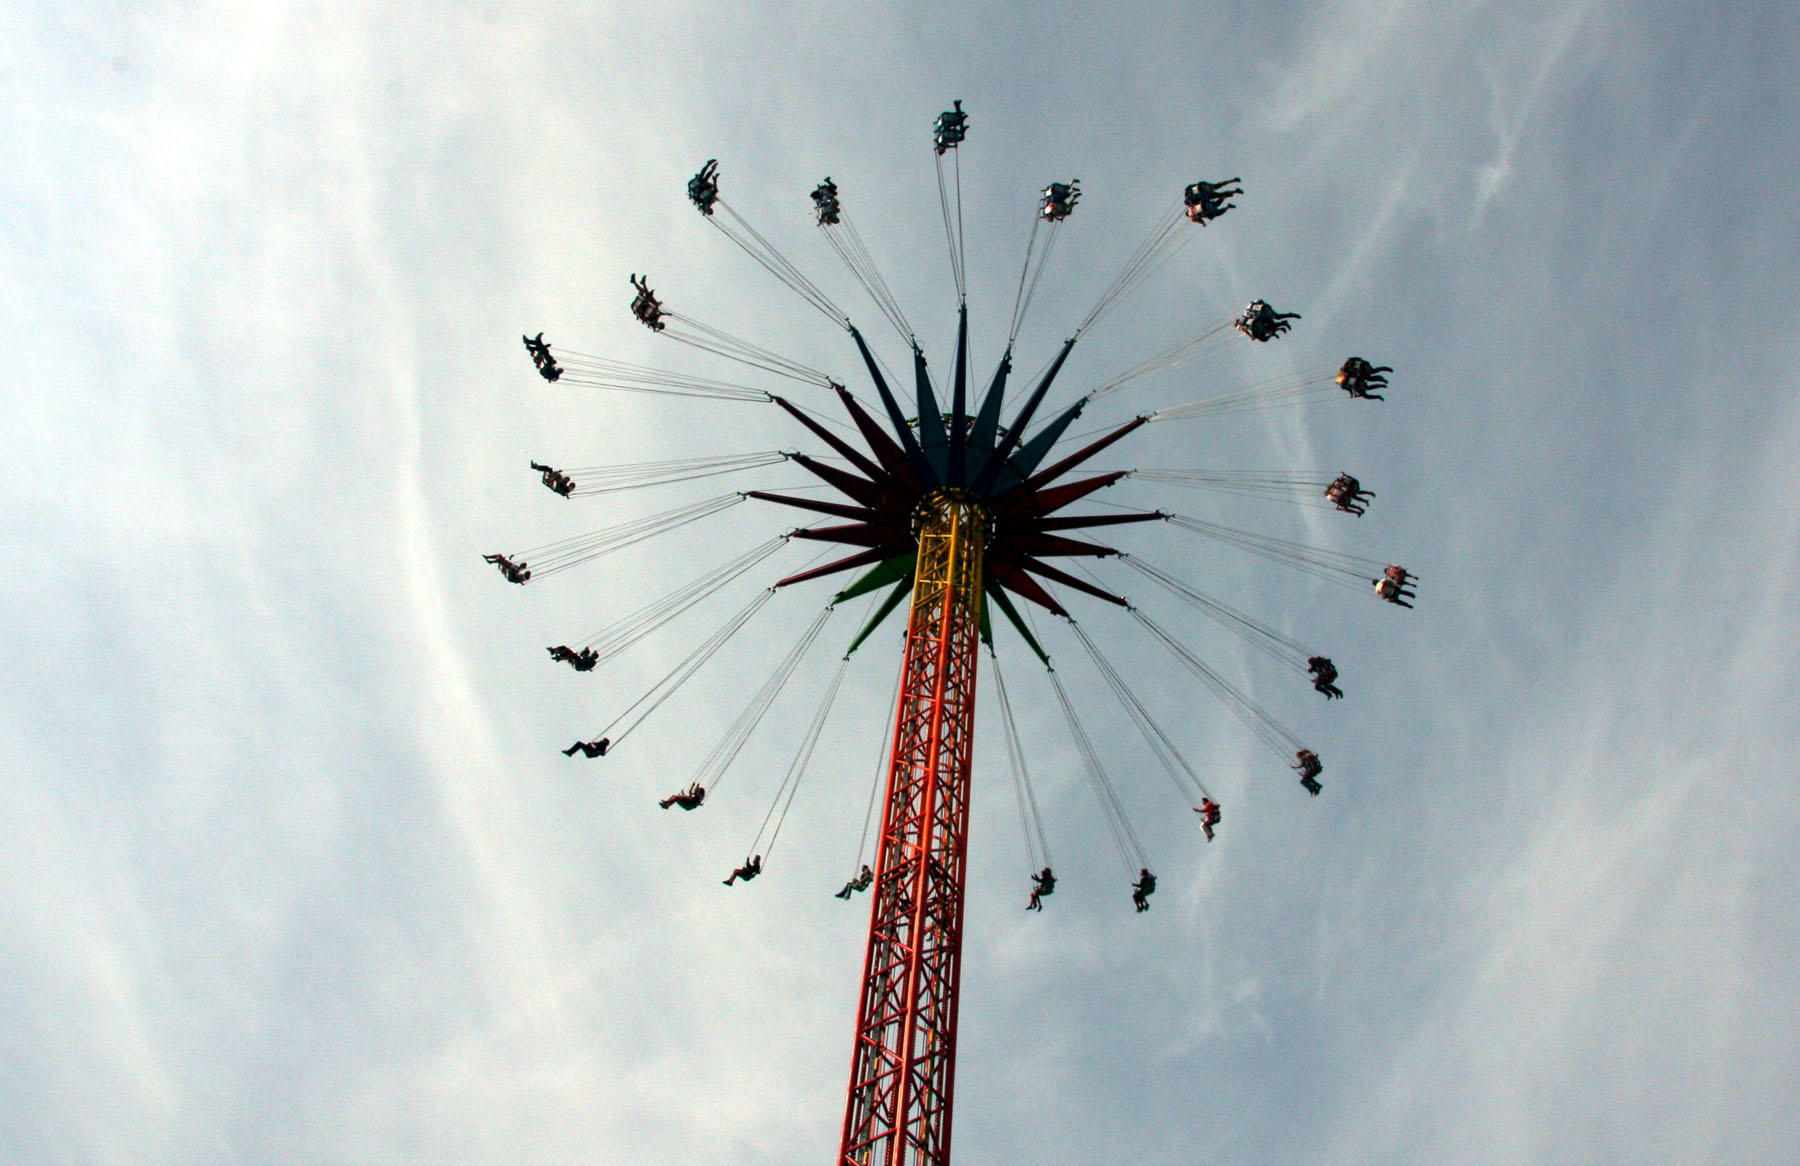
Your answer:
<point x="295" y="871"/>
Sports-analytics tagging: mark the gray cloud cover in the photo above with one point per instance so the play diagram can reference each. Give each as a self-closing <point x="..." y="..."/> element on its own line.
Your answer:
<point x="294" y="873"/>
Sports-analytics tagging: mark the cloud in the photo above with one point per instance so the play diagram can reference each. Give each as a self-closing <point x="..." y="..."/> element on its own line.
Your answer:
<point x="295" y="868"/>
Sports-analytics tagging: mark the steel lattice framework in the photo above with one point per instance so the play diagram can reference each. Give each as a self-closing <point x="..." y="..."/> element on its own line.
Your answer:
<point x="903" y="1065"/>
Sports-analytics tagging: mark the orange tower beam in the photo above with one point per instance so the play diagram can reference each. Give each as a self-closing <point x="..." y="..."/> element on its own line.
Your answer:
<point x="904" y="1061"/>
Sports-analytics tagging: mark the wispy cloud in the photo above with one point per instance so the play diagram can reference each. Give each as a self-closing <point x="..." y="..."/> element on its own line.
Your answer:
<point x="294" y="867"/>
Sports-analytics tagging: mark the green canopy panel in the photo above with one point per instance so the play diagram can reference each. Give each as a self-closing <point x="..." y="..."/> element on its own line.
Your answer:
<point x="881" y="574"/>
<point x="1012" y="614"/>
<point x="881" y="613"/>
<point x="898" y="573"/>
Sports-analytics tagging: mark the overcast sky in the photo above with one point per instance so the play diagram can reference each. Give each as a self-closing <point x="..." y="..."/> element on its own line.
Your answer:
<point x="293" y="868"/>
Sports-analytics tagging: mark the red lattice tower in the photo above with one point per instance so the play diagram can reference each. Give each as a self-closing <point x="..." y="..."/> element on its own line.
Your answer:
<point x="903" y="1065"/>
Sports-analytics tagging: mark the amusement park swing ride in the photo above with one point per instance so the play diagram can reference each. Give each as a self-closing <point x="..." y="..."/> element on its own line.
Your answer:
<point x="966" y="506"/>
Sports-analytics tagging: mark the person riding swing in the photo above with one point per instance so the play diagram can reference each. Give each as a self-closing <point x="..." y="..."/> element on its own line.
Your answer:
<point x="865" y="878"/>
<point x="1324" y="674"/>
<point x="582" y="661"/>
<point x="1143" y="889"/>
<point x="688" y="799"/>
<point x="514" y="572"/>
<point x="1310" y="767"/>
<point x="554" y="478"/>
<point x="645" y="306"/>
<point x="751" y="868"/>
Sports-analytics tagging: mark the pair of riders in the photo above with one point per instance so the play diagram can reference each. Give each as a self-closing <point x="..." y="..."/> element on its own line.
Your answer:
<point x="1206" y="200"/>
<point x="1263" y="323"/>
<point x="1357" y="377"/>
<point x="951" y="127"/>
<point x="540" y="356"/>
<point x="825" y="203"/>
<point x="1395" y="586"/>
<point x="1324" y="677"/>
<point x="1060" y="199"/>
<point x="1347" y="494"/>
<point x="1044" y="883"/>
